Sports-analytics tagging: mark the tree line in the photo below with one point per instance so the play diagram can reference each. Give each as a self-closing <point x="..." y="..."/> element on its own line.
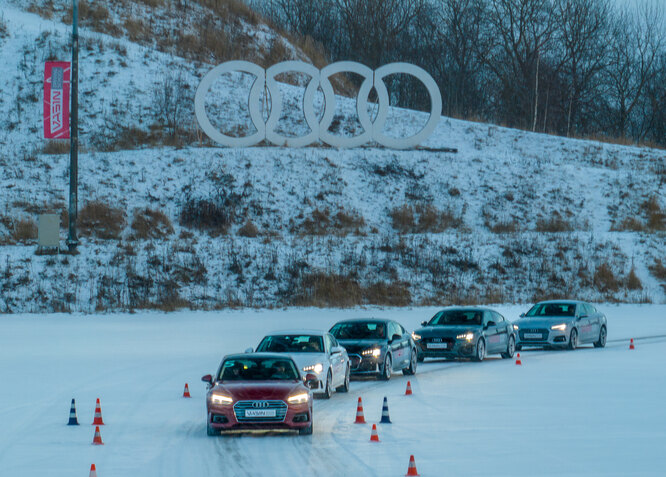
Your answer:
<point x="577" y="68"/>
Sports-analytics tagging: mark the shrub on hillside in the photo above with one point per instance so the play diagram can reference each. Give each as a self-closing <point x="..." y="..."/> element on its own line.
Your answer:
<point x="320" y="223"/>
<point x="150" y="224"/>
<point x="633" y="282"/>
<point x="658" y="270"/>
<point x="248" y="229"/>
<point x="98" y="219"/>
<point x="656" y="218"/>
<point x="213" y="216"/>
<point x="553" y="224"/>
<point x="423" y="218"/>
<point x="24" y="230"/>
<point x="604" y="279"/>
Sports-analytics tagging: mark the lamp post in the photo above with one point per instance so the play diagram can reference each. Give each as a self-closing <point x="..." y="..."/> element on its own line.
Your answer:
<point x="72" y="240"/>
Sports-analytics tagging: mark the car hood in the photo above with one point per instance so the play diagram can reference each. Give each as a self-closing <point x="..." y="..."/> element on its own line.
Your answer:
<point x="253" y="390"/>
<point x="308" y="359"/>
<point x="543" y="321"/>
<point x="356" y="346"/>
<point x="445" y="331"/>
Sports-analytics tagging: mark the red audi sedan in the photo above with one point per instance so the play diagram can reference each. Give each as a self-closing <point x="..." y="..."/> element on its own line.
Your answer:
<point x="259" y="391"/>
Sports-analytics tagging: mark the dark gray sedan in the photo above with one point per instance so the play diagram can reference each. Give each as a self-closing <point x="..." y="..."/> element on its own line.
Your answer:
<point x="376" y="346"/>
<point x="465" y="332"/>
<point x="561" y="324"/>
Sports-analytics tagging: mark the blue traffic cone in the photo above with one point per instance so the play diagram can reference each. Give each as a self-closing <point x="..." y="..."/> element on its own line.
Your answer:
<point x="385" y="415"/>
<point x="73" y="421"/>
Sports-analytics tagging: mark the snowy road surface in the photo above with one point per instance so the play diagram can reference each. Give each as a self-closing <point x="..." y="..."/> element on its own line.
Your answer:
<point x="588" y="412"/>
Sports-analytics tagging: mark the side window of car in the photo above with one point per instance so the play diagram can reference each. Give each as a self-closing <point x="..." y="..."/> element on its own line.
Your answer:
<point x="487" y="316"/>
<point x="328" y="343"/>
<point x="401" y="330"/>
<point x="334" y="342"/>
<point x="497" y="318"/>
<point x="393" y="329"/>
<point x="584" y="310"/>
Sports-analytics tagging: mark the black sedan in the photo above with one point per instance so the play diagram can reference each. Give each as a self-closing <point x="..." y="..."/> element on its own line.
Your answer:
<point x="376" y="346"/>
<point x="465" y="332"/>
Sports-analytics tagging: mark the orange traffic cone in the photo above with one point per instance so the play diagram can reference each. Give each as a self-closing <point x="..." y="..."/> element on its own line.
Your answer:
<point x="93" y="471"/>
<point x="408" y="391"/>
<point x="518" y="361"/>
<point x="186" y="392"/>
<point x="411" y="470"/>
<point x="631" y="344"/>
<point x="97" y="421"/>
<point x="374" y="437"/>
<point x="97" y="440"/>
<point x="360" y="418"/>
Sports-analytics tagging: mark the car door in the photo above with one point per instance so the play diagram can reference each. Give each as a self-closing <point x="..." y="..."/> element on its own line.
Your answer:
<point x="336" y="358"/>
<point x="594" y="320"/>
<point x="583" y="320"/>
<point x="406" y="346"/>
<point x="502" y="331"/>
<point x="396" y="346"/>
<point x="490" y="332"/>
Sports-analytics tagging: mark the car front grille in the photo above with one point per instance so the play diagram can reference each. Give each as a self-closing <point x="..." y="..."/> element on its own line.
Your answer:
<point x="280" y="411"/>
<point x="532" y="331"/>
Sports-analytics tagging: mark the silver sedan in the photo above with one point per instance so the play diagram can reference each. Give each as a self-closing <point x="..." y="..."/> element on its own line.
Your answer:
<point x="561" y="324"/>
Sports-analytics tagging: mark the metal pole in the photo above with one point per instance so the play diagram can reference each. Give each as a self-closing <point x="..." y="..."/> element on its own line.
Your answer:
<point x="72" y="240"/>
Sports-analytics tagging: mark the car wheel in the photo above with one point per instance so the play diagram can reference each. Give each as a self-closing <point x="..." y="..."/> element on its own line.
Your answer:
<point x="480" y="350"/>
<point x="573" y="339"/>
<point x="345" y="386"/>
<point x="601" y="343"/>
<point x="510" y="348"/>
<point x="411" y="370"/>
<point x="307" y="431"/>
<point x="387" y="369"/>
<point x="327" y="387"/>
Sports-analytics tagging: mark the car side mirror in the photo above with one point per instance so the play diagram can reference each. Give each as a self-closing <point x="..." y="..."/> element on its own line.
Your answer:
<point x="336" y="349"/>
<point x="395" y="337"/>
<point x="491" y="323"/>
<point x="424" y="323"/>
<point x="522" y="315"/>
<point x="311" y="380"/>
<point x="582" y="316"/>
<point x="249" y="350"/>
<point x="207" y="379"/>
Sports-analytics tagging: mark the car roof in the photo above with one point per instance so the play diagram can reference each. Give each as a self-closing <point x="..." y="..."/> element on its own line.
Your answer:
<point x="297" y="332"/>
<point x="352" y="320"/>
<point x="256" y="355"/>
<point x="560" y="301"/>
<point x="468" y="308"/>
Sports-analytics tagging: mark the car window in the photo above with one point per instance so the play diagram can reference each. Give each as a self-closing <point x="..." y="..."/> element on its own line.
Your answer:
<point x="497" y="318"/>
<point x="401" y="330"/>
<point x="258" y="369"/>
<point x="359" y="330"/>
<point x="487" y="316"/>
<point x="328" y="341"/>
<point x="457" y="317"/>
<point x="393" y="329"/>
<point x="552" y="309"/>
<point x="292" y="344"/>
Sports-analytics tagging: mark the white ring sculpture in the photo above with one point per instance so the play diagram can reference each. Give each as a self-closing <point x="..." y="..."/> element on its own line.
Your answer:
<point x="372" y="130"/>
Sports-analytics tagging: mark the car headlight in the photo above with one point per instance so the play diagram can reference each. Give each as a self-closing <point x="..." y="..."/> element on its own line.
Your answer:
<point x="561" y="327"/>
<point x="465" y="336"/>
<point x="375" y="352"/>
<point x="220" y="399"/>
<point x="415" y="337"/>
<point x="317" y="368"/>
<point x="298" y="398"/>
<point x="515" y="327"/>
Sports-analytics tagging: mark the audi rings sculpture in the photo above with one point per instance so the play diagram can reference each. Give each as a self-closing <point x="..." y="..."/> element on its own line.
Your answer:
<point x="265" y="79"/>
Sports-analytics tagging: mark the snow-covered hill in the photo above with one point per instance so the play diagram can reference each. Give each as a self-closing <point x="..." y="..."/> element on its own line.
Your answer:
<point x="513" y="216"/>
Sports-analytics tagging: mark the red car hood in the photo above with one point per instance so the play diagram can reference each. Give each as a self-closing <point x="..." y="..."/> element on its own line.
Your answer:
<point x="254" y="390"/>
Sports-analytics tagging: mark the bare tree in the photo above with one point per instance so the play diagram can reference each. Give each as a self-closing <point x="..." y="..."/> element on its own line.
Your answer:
<point x="638" y="37"/>
<point x="583" y="30"/>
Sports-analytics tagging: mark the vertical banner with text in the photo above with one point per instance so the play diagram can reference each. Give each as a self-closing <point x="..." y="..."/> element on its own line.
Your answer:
<point x="56" y="99"/>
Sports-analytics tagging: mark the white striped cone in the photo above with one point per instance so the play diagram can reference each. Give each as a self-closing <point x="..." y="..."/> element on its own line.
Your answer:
<point x="360" y="418"/>
<point x="73" y="420"/>
<point x="97" y="421"/>
<point x="93" y="471"/>
<point x="385" y="413"/>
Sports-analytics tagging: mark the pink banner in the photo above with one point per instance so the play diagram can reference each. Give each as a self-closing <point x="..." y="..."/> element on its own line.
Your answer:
<point x="56" y="99"/>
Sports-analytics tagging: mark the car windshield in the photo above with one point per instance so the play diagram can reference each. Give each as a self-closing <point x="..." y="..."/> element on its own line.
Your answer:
<point x="359" y="330"/>
<point x="552" y="309"/>
<point x="292" y="344"/>
<point x="457" y="317"/>
<point x="258" y="369"/>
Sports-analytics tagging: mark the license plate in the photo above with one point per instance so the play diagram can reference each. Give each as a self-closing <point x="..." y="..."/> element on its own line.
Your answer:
<point x="438" y="345"/>
<point x="533" y="336"/>
<point x="260" y="413"/>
